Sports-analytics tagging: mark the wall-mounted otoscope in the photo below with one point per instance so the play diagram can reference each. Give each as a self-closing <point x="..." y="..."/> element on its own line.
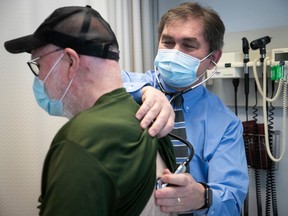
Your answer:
<point x="260" y="43"/>
<point x="245" y="48"/>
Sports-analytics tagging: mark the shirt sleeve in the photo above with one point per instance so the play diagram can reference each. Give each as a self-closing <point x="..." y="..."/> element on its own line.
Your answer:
<point x="227" y="177"/>
<point x="219" y="151"/>
<point x="134" y="82"/>
<point x="75" y="183"/>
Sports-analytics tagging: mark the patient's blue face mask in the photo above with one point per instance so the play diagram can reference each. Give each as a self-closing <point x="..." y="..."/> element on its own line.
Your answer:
<point x="52" y="106"/>
<point x="177" y="69"/>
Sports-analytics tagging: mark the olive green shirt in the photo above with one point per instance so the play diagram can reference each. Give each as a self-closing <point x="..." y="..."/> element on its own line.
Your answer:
<point x="102" y="162"/>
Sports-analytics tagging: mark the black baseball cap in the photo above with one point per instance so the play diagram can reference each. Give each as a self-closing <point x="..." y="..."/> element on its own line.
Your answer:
<point x="80" y="28"/>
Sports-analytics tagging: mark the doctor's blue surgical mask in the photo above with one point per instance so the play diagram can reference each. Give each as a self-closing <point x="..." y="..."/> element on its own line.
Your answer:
<point x="177" y="69"/>
<point x="52" y="106"/>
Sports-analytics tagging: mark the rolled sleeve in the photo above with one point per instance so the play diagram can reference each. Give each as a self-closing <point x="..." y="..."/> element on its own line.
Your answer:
<point x="134" y="82"/>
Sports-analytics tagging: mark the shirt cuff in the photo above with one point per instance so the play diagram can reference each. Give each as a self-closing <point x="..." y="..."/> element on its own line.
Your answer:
<point x="212" y="210"/>
<point x="134" y="89"/>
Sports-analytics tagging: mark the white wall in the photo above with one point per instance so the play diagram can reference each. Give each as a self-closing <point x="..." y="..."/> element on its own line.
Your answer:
<point x="26" y="130"/>
<point x="250" y="19"/>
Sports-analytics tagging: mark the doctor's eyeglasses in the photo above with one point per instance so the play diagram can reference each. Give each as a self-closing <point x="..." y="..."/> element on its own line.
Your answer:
<point x="35" y="66"/>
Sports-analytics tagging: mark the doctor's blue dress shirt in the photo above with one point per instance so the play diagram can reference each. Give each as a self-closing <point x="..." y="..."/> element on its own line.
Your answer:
<point x="216" y="134"/>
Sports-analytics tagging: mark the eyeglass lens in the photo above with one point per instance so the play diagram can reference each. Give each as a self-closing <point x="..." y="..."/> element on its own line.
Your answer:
<point x="34" y="66"/>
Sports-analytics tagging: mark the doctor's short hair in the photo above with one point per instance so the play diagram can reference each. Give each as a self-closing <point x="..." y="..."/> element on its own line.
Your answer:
<point x="213" y="26"/>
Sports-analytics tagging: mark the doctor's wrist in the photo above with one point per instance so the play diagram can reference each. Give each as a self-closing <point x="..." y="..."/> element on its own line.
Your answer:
<point x="206" y="200"/>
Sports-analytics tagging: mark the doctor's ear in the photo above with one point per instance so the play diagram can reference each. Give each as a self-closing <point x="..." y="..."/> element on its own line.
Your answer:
<point x="215" y="57"/>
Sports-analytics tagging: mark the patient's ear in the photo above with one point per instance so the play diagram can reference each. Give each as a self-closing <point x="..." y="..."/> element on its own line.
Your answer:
<point x="74" y="60"/>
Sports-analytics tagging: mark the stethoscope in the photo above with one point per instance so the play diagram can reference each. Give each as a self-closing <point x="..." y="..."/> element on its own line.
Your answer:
<point x="182" y="167"/>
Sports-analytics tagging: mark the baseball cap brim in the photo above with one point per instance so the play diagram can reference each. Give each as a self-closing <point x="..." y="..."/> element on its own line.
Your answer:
<point x="23" y="44"/>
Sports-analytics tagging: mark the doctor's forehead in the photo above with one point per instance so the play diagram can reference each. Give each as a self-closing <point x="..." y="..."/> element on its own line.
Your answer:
<point x="190" y="31"/>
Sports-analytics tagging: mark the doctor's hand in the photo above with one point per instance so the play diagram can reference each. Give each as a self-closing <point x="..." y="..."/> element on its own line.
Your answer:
<point x="182" y="194"/>
<point x="156" y="112"/>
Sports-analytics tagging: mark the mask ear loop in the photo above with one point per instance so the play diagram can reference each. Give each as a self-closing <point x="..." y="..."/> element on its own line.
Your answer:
<point x="53" y="67"/>
<point x="68" y="87"/>
<point x="212" y="74"/>
<point x="206" y="70"/>
<point x="207" y="56"/>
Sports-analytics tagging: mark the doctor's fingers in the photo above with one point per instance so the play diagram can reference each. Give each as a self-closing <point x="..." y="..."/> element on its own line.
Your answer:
<point x="160" y="119"/>
<point x="179" y="180"/>
<point x="175" y="204"/>
<point x="163" y="124"/>
<point x="156" y="112"/>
